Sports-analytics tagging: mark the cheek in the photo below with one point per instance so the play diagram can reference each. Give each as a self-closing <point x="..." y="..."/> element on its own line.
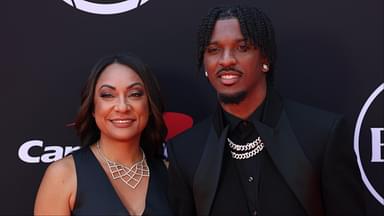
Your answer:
<point x="99" y="108"/>
<point x="100" y="111"/>
<point x="209" y="64"/>
<point x="97" y="114"/>
<point x="143" y="112"/>
<point x="146" y="114"/>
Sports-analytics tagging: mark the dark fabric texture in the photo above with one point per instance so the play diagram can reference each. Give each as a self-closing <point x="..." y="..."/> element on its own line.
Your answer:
<point x="96" y="195"/>
<point x="240" y="178"/>
<point x="307" y="166"/>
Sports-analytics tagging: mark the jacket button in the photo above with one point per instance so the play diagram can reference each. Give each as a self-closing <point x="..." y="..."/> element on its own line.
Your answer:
<point x="250" y="179"/>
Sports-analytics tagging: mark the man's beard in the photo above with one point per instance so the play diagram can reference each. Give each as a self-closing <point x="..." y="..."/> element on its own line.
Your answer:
<point x="233" y="98"/>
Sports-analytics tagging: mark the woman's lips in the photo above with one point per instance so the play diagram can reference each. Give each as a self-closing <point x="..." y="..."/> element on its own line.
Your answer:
<point x="122" y="122"/>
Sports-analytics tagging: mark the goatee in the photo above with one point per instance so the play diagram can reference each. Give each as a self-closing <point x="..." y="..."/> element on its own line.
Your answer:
<point x="233" y="98"/>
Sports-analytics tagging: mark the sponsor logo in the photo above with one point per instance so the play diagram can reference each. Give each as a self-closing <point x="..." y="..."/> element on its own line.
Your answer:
<point x="176" y="123"/>
<point x="369" y="141"/>
<point x="34" y="151"/>
<point x="105" y="8"/>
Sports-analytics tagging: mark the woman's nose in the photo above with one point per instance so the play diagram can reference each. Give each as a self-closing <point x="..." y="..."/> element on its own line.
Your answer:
<point x="122" y="105"/>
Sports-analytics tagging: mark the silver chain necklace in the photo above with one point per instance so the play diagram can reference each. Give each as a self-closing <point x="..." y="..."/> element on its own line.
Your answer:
<point x="129" y="175"/>
<point x="247" y="151"/>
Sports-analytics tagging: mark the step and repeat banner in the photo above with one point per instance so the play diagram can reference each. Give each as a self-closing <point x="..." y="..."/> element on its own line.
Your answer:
<point x="330" y="55"/>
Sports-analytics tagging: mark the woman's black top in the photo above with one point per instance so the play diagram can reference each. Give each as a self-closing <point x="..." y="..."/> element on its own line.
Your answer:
<point x="96" y="196"/>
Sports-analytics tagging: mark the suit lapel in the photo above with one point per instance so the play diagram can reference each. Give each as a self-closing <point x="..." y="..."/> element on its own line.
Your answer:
<point x="289" y="157"/>
<point x="208" y="172"/>
<point x="281" y="144"/>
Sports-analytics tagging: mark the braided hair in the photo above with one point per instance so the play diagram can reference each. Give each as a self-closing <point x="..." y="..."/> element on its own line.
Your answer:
<point x="255" y="26"/>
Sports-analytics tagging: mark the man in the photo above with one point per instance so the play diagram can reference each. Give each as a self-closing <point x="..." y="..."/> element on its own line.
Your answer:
<point x="259" y="154"/>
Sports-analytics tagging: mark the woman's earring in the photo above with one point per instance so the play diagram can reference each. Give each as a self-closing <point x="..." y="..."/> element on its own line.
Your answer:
<point x="206" y="74"/>
<point x="265" y="68"/>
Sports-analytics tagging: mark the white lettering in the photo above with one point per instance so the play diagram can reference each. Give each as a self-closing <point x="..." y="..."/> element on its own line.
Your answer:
<point x="49" y="155"/>
<point x="105" y="9"/>
<point x="356" y="142"/>
<point x="377" y="144"/>
<point x="52" y="153"/>
<point x="70" y="149"/>
<point x="24" y="151"/>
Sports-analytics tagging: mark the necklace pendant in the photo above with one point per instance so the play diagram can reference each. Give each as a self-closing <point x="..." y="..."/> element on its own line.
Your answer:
<point x="131" y="176"/>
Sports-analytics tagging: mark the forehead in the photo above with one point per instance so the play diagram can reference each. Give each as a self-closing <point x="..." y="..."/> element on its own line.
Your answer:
<point x="226" y="29"/>
<point x="118" y="74"/>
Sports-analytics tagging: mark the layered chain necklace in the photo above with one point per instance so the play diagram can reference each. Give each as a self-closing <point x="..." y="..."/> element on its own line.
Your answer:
<point x="129" y="175"/>
<point x="245" y="151"/>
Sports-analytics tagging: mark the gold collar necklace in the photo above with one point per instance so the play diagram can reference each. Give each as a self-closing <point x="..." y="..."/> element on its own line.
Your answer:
<point x="129" y="175"/>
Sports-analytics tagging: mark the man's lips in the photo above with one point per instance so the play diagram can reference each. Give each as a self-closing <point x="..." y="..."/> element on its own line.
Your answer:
<point x="229" y="77"/>
<point x="228" y="70"/>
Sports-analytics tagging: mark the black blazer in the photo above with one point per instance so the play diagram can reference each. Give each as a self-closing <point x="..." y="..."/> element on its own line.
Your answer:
<point x="309" y="168"/>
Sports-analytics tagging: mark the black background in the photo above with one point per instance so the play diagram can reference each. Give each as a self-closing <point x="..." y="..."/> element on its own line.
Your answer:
<point x="330" y="55"/>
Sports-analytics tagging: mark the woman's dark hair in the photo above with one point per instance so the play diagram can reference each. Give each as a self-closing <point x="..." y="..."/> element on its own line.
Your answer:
<point x="255" y="26"/>
<point x="155" y="131"/>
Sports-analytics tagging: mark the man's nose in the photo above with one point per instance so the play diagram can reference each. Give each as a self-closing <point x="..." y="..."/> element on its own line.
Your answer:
<point x="227" y="58"/>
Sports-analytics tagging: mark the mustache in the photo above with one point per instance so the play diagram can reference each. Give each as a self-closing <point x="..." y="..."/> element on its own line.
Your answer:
<point x="224" y="69"/>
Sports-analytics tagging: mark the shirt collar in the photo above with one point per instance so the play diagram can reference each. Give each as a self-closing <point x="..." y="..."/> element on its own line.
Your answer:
<point x="234" y="121"/>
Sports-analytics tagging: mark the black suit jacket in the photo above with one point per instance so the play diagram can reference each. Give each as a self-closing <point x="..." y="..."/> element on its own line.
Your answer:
<point x="309" y="168"/>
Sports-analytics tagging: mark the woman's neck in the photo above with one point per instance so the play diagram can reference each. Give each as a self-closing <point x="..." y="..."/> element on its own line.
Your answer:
<point x="124" y="152"/>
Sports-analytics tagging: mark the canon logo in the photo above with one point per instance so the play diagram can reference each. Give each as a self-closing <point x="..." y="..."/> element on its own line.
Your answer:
<point x="367" y="132"/>
<point x="105" y="8"/>
<point x="47" y="154"/>
<point x="34" y="151"/>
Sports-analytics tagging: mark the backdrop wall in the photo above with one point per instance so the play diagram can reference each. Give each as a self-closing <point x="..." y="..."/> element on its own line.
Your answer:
<point x="330" y="55"/>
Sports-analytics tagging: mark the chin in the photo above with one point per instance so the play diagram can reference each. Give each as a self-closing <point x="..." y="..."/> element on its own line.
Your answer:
<point x="232" y="98"/>
<point x="125" y="137"/>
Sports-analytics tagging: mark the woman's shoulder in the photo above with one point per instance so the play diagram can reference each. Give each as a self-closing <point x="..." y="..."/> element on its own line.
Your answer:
<point x="57" y="190"/>
<point x="65" y="164"/>
<point x="61" y="172"/>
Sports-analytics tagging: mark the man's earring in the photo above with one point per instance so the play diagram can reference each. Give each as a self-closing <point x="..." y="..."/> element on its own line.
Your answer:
<point x="265" y="68"/>
<point x="206" y="74"/>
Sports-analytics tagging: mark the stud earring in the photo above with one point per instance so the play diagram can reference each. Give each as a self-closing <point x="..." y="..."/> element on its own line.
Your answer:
<point x="206" y="74"/>
<point x="265" y="68"/>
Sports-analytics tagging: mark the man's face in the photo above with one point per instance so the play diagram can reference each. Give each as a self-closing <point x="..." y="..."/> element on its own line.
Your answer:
<point x="234" y="65"/>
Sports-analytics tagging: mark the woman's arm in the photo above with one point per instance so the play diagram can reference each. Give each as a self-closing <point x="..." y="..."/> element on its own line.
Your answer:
<point x="57" y="192"/>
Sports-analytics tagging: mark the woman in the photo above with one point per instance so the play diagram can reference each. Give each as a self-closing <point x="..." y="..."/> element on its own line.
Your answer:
<point x="119" y="170"/>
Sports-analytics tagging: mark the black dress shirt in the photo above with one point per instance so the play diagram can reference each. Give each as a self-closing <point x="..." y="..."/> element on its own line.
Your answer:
<point x="240" y="179"/>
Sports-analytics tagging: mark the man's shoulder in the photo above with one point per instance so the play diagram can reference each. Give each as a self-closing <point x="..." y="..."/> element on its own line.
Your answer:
<point x="303" y="116"/>
<point x="196" y="132"/>
<point x="191" y="141"/>
<point x="297" y="108"/>
<point x="187" y="147"/>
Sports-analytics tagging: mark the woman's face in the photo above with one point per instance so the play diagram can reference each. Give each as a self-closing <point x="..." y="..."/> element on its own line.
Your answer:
<point x="121" y="104"/>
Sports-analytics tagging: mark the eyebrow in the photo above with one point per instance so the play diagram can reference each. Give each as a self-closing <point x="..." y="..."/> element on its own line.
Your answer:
<point x="130" y="86"/>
